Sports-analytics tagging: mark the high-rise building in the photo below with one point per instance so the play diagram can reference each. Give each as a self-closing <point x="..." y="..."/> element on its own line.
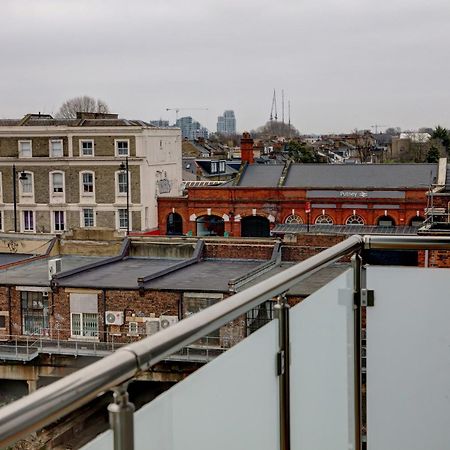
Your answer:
<point x="226" y="124"/>
<point x="191" y="129"/>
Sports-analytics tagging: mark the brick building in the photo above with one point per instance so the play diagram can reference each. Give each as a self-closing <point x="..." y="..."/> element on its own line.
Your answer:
<point x="263" y="197"/>
<point x="61" y="174"/>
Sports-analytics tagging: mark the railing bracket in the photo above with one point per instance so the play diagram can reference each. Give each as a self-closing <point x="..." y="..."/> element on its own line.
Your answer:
<point x="367" y="297"/>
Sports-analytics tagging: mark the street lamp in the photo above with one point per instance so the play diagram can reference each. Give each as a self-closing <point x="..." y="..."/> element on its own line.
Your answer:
<point x="22" y="177"/>
<point x="124" y="167"/>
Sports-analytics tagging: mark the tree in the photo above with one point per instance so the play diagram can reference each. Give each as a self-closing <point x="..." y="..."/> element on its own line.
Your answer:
<point x="393" y="131"/>
<point x="442" y="134"/>
<point x="299" y="152"/>
<point x="69" y="108"/>
<point x="275" y="128"/>
<point x="433" y="155"/>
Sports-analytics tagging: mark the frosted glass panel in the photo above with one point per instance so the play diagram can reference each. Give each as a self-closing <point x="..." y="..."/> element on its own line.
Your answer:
<point x="408" y="359"/>
<point x="322" y="384"/>
<point x="229" y="404"/>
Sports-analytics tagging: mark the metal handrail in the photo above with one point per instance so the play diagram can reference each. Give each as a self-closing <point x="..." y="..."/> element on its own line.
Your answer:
<point x="49" y="403"/>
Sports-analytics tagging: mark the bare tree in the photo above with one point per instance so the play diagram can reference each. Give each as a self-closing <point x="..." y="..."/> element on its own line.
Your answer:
<point x="69" y="108"/>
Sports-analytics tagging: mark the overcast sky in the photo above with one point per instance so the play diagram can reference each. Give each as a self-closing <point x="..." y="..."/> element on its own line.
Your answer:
<point x="343" y="64"/>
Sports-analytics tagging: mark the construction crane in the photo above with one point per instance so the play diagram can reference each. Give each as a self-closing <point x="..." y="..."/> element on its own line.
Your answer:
<point x="273" y="110"/>
<point x="376" y="126"/>
<point x="177" y="110"/>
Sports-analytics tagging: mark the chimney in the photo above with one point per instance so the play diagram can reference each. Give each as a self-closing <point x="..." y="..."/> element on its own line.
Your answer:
<point x="246" y="148"/>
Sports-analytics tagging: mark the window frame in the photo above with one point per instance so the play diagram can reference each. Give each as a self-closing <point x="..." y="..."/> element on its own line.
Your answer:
<point x="54" y="222"/>
<point x="117" y="182"/>
<point x="51" y="150"/>
<point x="23" y="220"/>
<point x="116" y="147"/>
<point x="118" y="219"/>
<point x="83" y="192"/>
<point x="20" y="150"/>
<point x="83" y="218"/>
<point x="22" y="193"/>
<point x="82" y="327"/>
<point x="81" y="152"/>
<point x="60" y="193"/>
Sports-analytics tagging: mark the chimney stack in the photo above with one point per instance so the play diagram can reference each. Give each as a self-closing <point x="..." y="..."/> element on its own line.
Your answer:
<point x="247" y="148"/>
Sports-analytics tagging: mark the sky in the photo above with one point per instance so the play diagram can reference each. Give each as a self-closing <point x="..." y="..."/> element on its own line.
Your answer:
<point x="343" y="65"/>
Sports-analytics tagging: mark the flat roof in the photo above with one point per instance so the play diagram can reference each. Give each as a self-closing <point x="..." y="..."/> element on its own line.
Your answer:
<point x="8" y="258"/>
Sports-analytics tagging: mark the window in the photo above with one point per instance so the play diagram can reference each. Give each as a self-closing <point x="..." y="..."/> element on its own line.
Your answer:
<point x="3" y="320"/>
<point x="87" y="147"/>
<point x="222" y="166"/>
<point x="122" y="182"/>
<point x="354" y="220"/>
<point x="122" y="147"/>
<point x="56" y="148"/>
<point x="57" y="182"/>
<point x="84" y="324"/>
<point x="133" y="329"/>
<point x="293" y="218"/>
<point x="123" y="219"/>
<point x="88" y="217"/>
<point x="213" y="167"/>
<point x="25" y="149"/>
<point x="26" y="182"/>
<point x="58" y="220"/>
<point x="324" y="219"/>
<point x="1" y="220"/>
<point x="34" y="312"/>
<point x="28" y="221"/>
<point x="87" y="181"/>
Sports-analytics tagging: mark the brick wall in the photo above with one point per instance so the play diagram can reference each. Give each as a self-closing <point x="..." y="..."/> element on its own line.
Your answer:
<point x="238" y="251"/>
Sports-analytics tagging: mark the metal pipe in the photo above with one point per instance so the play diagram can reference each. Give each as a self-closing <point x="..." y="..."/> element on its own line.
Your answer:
<point x="284" y="373"/>
<point x="406" y="242"/>
<point x="50" y="403"/>
<point x="121" y="419"/>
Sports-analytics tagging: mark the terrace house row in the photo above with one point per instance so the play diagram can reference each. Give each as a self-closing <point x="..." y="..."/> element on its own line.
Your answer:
<point x="58" y="174"/>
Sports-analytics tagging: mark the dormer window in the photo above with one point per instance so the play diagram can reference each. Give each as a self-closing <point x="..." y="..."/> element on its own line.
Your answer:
<point x="222" y="166"/>
<point x="213" y="166"/>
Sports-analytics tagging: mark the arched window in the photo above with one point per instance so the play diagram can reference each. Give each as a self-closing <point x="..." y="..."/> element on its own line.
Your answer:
<point x="385" y="221"/>
<point x="293" y="218"/>
<point x="416" y="221"/>
<point x="210" y="226"/>
<point x="354" y="220"/>
<point x="255" y="226"/>
<point x="174" y="224"/>
<point x="324" y="219"/>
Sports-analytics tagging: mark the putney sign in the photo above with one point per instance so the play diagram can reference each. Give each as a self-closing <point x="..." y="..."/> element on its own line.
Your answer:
<point x="353" y="194"/>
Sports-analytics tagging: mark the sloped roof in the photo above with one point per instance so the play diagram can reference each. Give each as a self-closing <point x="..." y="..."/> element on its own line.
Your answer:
<point x="261" y="175"/>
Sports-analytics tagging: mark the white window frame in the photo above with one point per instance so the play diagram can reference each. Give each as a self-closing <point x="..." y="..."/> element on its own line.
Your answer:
<point x="81" y="141"/>
<point x="23" y="141"/>
<point x="22" y="220"/>
<point x="51" y="150"/>
<point x="222" y="166"/>
<point x="83" y="193"/>
<point x="82" y="218"/>
<point x="82" y="331"/>
<point x="21" y="191"/>
<point x="116" y="147"/>
<point x="60" y="194"/>
<point x="118" y="227"/>
<point x="118" y="193"/>
<point x="214" y="167"/>
<point x="53" y="220"/>
<point x="133" y="328"/>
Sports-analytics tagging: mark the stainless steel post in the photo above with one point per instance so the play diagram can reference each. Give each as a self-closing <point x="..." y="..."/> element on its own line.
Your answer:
<point x="357" y="267"/>
<point x="121" y="419"/>
<point x="282" y="309"/>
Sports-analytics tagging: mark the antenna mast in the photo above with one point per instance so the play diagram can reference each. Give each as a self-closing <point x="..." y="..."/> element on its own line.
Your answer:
<point x="282" y="106"/>
<point x="274" y="107"/>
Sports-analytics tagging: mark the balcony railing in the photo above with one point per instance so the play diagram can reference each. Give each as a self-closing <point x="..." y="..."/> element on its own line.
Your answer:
<point x="298" y="386"/>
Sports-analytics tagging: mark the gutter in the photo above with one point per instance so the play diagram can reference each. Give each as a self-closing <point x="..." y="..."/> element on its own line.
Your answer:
<point x="236" y="284"/>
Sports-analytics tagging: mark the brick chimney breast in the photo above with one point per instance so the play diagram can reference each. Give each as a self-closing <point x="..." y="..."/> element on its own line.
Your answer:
<point x="247" y="148"/>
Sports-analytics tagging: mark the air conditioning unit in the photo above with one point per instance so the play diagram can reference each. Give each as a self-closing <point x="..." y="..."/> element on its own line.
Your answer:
<point x="167" y="321"/>
<point x="54" y="267"/>
<point x="114" y="317"/>
<point x="152" y="326"/>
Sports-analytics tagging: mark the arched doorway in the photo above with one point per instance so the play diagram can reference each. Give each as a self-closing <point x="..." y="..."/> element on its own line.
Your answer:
<point x="385" y="221"/>
<point x="210" y="226"/>
<point x="255" y="226"/>
<point x="174" y="224"/>
<point x="416" y="221"/>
